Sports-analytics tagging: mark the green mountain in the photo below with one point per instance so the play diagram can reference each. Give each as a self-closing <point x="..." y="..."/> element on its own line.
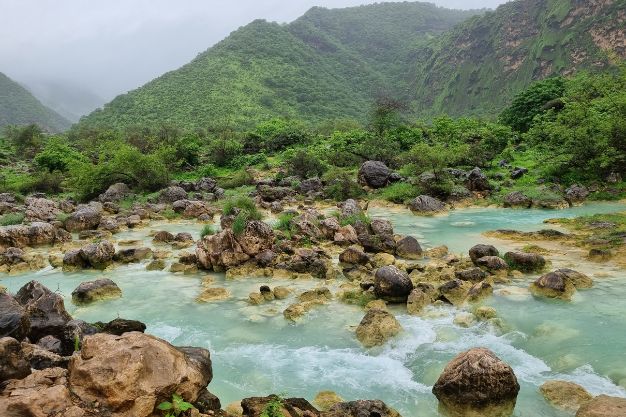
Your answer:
<point x="478" y="66"/>
<point x="326" y="64"/>
<point x="20" y="107"/>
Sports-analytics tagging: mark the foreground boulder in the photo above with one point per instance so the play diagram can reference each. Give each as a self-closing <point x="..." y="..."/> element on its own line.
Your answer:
<point x="409" y="248"/>
<point x="374" y="174"/>
<point x="132" y="373"/>
<point x="603" y="406"/>
<point x="100" y="289"/>
<point x="392" y="284"/>
<point x="425" y="204"/>
<point x="13" y="365"/>
<point x="377" y="327"/>
<point x="477" y="379"/>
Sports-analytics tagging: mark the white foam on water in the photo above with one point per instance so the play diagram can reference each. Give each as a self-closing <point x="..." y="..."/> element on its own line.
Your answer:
<point x="594" y="383"/>
<point x="165" y="331"/>
<point x="466" y="223"/>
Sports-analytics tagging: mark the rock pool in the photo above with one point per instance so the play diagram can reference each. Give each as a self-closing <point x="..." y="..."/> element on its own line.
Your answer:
<point x="256" y="351"/>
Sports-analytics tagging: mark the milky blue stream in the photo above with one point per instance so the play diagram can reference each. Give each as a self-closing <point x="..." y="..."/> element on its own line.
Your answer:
<point x="256" y="352"/>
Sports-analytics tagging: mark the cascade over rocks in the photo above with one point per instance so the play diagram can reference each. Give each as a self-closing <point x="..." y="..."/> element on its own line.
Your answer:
<point x="132" y="373"/>
<point x="374" y="174"/>
<point x="476" y="379"/>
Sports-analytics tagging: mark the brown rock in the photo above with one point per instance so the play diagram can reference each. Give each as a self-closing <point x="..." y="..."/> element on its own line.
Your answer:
<point x="377" y="327"/>
<point x="13" y="364"/>
<point x="132" y="373"/>
<point x="361" y="408"/>
<point x="603" y="406"/>
<point x="565" y="395"/>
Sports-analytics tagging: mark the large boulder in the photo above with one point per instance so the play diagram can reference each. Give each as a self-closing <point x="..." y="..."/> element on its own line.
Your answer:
<point x="427" y="205"/>
<point x="476" y="379"/>
<point x="477" y="181"/>
<point x="120" y="326"/>
<point x="98" y="255"/>
<point x="132" y="373"/>
<point x="361" y="408"/>
<point x="377" y="327"/>
<point x="525" y="262"/>
<point x="100" y="289"/>
<point x="409" y="248"/>
<point x="517" y="199"/>
<point x="391" y="284"/>
<point x="354" y="256"/>
<point x="603" y="406"/>
<point x="206" y="184"/>
<point x="45" y="310"/>
<point x="115" y="193"/>
<point x="13" y="364"/>
<point x="565" y="395"/>
<point x="41" y="210"/>
<point x="492" y="263"/>
<point x="84" y="218"/>
<point x="220" y="251"/>
<point x="480" y="250"/>
<point x="561" y="284"/>
<point x="350" y="208"/>
<point x="374" y="174"/>
<point x="172" y="194"/>
<point x="269" y="194"/>
<point x="37" y="233"/>
<point x="256" y="237"/>
<point x="576" y="194"/>
<point x="14" y="321"/>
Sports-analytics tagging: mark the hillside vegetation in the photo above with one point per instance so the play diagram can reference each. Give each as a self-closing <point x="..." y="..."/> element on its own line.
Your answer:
<point x="20" y="107"/>
<point x="328" y="64"/>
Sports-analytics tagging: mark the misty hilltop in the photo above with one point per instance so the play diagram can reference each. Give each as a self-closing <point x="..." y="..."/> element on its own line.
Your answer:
<point x="332" y="63"/>
<point x="19" y="107"/>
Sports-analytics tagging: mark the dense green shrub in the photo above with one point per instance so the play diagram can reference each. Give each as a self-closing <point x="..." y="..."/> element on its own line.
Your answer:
<point x="10" y="219"/>
<point x="304" y="164"/>
<point x="341" y="186"/>
<point x="236" y="179"/>
<point x="399" y="193"/>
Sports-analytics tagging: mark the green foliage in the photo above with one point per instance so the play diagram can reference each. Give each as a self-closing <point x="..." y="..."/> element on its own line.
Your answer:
<point x="341" y="186"/>
<point x="169" y="214"/>
<point x="435" y="158"/>
<point x="27" y="140"/>
<point x="535" y="100"/>
<point x="399" y="193"/>
<point x="304" y="164"/>
<point x="207" y="230"/>
<point x="57" y="155"/>
<point x="76" y="343"/>
<point x="10" y="219"/>
<point x="237" y="179"/>
<point x="273" y="408"/>
<point x="354" y="219"/>
<point x="284" y="224"/>
<point x="176" y="407"/>
<point x="244" y="209"/>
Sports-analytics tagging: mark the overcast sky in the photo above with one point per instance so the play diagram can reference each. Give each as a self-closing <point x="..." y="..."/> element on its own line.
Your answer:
<point x="111" y="46"/>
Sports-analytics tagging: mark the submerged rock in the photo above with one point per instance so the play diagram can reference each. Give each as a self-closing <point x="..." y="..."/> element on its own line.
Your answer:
<point x="561" y="284"/>
<point x="100" y="289"/>
<point x="565" y="395"/>
<point x="476" y="379"/>
<point x="377" y="327"/>
<point x="603" y="406"/>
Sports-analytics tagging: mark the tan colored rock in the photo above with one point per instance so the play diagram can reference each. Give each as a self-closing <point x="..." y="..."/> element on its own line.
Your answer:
<point x="41" y="394"/>
<point x="234" y="409"/>
<point x="156" y="265"/>
<point x="324" y="400"/>
<point x="213" y="294"/>
<point x="565" y="395"/>
<point x="132" y="373"/>
<point x="603" y="406"/>
<point x="486" y="313"/>
<point x="281" y="292"/>
<point x="383" y="259"/>
<point x="377" y="327"/>
<point x="417" y="300"/>
<point x="256" y="298"/>
<point x="294" y="312"/>
<point x="438" y="252"/>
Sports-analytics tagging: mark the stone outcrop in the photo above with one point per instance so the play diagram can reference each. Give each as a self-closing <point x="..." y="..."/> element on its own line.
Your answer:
<point x="115" y="193"/>
<point x="517" y="199"/>
<point x="172" y="194"/>
<point x="289" y="407"/>
<point x="84" y="218"/>
<point x="561" y="284"/>
<point x="45" y="310"/>
<point x="603" y="406"/>
<point x="565" y="395"/>
<point x="361" y="408"/>
<point x="13" y="364"/>
<point x="37" y="233"/>
<point x="525" y="262"/>
<point x="14" y="321"/>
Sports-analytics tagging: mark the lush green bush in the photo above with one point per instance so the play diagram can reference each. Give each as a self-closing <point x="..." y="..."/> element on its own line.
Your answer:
<point x="10" y="219"/>
<point x="399" y="193"/>
<point x="341" y="186"/>
<point x="236" y="179"/>
<point x="207" y="230"/>
<point x="57" y="154"/>
<point x="304" y="164"/>
<point x="284" y="224"/>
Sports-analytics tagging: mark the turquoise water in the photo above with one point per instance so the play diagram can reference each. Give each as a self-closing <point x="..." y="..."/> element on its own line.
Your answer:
<point x="256" y="352"/>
